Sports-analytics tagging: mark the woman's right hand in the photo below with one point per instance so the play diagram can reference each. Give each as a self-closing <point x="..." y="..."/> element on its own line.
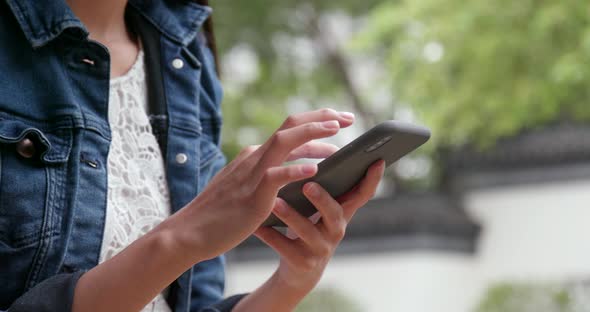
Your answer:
<point x="242" y="195"/>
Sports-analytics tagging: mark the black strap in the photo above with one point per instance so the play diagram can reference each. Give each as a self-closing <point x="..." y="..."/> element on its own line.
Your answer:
<point x="157" y="108"/>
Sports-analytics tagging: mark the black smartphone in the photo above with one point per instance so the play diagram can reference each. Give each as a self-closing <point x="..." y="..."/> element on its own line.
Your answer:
<point x="339" y="173"/>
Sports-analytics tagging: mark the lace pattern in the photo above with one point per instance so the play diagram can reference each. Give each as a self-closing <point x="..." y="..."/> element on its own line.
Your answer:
<point x="138" y="198"/>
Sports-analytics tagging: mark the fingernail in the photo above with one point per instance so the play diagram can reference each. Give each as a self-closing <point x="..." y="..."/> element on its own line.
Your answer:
<point x="347" y="115"/>
<point x="312" y="189"/>
<point x="332" y="124"/>
<point x="308" y="169"/>
<point x="281" y="207"/>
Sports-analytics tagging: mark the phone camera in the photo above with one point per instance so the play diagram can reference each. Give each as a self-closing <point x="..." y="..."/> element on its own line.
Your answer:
<point x="378" y="144"/>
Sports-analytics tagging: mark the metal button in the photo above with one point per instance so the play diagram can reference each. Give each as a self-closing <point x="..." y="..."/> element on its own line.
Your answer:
<point x="25" y="148"/>
<point x="177" y="63"/>
<point x="181" y="158"/>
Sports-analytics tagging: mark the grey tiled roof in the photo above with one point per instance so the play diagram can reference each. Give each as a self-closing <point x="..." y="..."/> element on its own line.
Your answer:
<point x="410" y="221"/>
<point x="552" y="145"/>
<point x="413" y="214"/>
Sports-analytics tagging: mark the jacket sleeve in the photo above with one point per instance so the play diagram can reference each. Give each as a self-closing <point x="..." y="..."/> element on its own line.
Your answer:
<point x="53" y="294"/>
<point x="57" y="294"/>
<point x="225" y="305"/>
<point x="208" y="282"/>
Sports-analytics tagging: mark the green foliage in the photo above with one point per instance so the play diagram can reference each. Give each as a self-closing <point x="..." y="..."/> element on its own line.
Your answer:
<point x="474" y="71"/>
<point x="327" y="300"/>
<point x="479" y="70"/>
<point x="512" y="297"/>
<point x="256" y="24"/>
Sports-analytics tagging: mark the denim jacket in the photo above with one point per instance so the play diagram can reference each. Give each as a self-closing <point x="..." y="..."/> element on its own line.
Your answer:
<point x="55" y="137"/>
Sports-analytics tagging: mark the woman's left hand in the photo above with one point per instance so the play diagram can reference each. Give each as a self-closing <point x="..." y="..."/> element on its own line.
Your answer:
<point x="304" y="259"/>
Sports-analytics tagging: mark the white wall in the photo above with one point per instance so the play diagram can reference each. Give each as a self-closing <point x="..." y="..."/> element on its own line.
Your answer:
<point x="538" y="232"/>
<point x="408" y="282"/>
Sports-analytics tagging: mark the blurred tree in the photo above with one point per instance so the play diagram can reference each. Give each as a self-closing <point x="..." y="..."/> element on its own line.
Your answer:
<point x="473" y="71"/>
<point x="531" y="297"/>
<point x="279" y="57"/>
<point x="479" y="70"/>
<point x="327" y="300"/>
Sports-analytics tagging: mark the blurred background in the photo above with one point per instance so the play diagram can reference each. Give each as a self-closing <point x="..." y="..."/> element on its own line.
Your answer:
<point x="493" y="213"/>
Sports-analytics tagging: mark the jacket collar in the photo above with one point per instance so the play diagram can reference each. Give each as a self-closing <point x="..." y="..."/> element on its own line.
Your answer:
<point x="44" y="20"/>
<point x="179" y="20"/>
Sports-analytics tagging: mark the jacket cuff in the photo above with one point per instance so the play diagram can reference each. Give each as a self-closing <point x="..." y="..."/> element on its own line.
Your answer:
<point x="53" y="294"/>
<point x="225" y="305"/>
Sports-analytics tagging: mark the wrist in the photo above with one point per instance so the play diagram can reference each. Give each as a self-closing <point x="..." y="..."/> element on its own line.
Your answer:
<point x="288" y="283"/>
<point x="184" y="245"/>
<point x="274" y="295"/>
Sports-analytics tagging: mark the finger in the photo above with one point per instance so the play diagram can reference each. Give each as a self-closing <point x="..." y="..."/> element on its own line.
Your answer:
<point x="345" y="119"/>
<point x="288" y="249"/>
<point x="313" y="149"/>
<point x="349" y="194"/>
<point x="276" y="177"/>
<point x="353" y="192"/>
<point x="280" y="145"/>
<point x="332" y="213"/>
<point x="364" y="191"/>
<point x="299" y="224"/>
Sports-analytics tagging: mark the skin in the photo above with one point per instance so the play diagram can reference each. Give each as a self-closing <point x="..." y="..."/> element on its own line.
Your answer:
<point x="240" y="197"/>
<point x="106" y="24"/>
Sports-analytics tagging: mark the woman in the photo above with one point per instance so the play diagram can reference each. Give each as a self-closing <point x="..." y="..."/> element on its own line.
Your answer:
<point x="109" y="135"/>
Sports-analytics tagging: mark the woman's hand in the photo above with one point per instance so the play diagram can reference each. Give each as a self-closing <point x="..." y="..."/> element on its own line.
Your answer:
<point x="241" y="196"/>
<point x="304" y="259"/>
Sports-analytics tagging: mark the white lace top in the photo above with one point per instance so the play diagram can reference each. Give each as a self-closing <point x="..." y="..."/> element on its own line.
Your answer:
<point x="137" y="197"/>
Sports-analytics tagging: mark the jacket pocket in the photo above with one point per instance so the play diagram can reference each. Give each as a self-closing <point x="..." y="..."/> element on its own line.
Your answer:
<point x="33" y="177"/>
<point x="33" y="159"/>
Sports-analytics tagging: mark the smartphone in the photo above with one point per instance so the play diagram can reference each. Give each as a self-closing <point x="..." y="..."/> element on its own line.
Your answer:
<point x="339" y="173"/>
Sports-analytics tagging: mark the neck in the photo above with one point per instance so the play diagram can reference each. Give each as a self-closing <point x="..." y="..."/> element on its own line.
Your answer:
<point x="104" y="19"/>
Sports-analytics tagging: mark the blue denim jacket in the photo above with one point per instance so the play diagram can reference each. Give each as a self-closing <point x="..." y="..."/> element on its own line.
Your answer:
<point x="54" y="88"/>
